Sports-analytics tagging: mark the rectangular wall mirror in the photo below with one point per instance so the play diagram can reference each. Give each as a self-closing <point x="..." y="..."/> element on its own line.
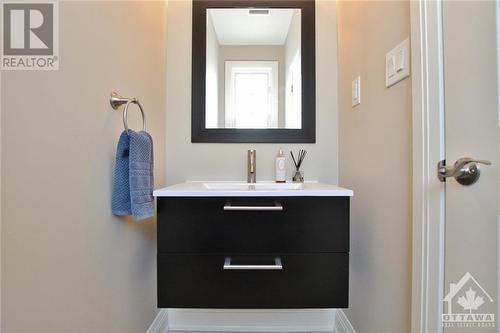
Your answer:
<point x="253" y="74"/>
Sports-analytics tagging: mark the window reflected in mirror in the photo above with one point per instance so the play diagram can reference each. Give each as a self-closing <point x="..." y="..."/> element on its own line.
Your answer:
<point x="253" y="68"/>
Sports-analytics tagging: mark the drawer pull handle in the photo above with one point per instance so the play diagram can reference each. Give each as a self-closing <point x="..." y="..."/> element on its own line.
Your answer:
<point x="229" y="207"/>
<point x="277" y="265"/>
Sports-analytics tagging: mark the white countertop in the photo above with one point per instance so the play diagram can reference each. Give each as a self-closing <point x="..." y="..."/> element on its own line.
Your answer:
<point x="242" y="189"/>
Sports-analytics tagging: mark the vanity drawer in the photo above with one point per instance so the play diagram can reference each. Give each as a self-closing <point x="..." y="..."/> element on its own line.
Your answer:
<point x="304" y="281"/>
<point x="253" y="225"/>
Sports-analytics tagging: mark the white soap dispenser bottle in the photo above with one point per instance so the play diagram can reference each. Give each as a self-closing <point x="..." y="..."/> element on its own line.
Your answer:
<point x="280" y="166"/>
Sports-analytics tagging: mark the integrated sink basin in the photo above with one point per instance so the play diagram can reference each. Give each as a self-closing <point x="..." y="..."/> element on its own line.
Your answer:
<point x="243" y="189"/>
<point x="261" y="186"/>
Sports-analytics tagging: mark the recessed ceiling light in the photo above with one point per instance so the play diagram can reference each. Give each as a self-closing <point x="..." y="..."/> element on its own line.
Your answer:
<point x="258" y="11"/>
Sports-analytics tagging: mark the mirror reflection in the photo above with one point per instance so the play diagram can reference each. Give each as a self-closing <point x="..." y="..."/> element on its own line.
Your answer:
<point x="253" y="68"/>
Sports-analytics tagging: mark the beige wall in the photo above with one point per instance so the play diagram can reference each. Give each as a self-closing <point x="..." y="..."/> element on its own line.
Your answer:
<point x="375" y="161"/>
<point x="187" y="161"/>
<point x="212" y="77"/>
<point x="293" y="86"/>
<point x="1" y="201"/>
<point x="68" y="265"/>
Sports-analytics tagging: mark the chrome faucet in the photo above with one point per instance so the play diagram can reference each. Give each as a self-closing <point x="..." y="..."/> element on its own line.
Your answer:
<point x="252" y="166"/>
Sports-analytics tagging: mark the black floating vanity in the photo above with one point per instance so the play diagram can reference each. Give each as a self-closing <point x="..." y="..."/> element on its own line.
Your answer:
<point x="235" y="245"/>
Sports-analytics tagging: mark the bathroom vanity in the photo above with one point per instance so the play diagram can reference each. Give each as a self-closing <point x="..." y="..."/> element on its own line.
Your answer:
<point x="263" y="245"/>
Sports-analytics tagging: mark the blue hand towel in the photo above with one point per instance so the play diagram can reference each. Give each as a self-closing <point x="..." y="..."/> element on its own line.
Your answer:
<point x="133" y="177"/>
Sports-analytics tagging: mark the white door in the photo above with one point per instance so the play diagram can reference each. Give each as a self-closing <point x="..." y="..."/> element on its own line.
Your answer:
<point x="472" y="130"/>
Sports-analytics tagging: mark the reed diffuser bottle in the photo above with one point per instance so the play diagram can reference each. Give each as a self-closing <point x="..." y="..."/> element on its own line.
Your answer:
<point x="298" y="177"/>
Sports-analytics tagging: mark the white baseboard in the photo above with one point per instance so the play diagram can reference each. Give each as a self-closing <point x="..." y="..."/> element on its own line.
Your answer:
<point x="208" y="320"/>
<point x="160" y="323"/>
<point x="342" y="323"/>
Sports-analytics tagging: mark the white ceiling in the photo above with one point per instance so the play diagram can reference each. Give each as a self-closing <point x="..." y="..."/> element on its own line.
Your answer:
<point x="235" y="26"/>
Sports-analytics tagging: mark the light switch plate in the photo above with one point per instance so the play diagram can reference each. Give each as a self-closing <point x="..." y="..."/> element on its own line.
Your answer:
<point x="397" y="63"/>
<point x="356" y="91"/>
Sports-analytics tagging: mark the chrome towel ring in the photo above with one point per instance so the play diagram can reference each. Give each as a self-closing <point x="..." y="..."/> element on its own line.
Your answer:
<point x="116" y="101"/>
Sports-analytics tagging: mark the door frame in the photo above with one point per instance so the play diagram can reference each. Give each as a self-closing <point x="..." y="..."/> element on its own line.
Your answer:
<point x="428" y="219"/>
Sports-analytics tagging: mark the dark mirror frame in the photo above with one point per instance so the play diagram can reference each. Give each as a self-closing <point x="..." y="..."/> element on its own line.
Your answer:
<point x="307" y="134"/>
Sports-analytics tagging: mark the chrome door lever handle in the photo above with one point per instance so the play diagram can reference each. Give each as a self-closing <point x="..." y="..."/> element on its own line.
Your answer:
<point x="465" y="170"/>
